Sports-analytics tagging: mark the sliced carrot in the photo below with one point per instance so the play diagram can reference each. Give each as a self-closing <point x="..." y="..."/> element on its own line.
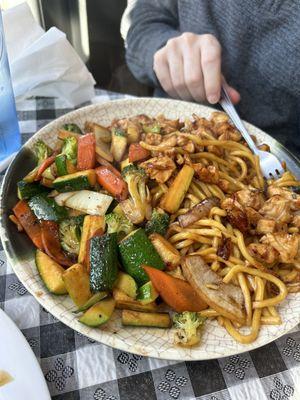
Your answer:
<point x="44" y="165"/>
<point x="86" y="152"/>
<point x="177" y="293"/>
<point x="105" y="163"/>
<point x="111" y="182"/>
<point x="51" y="243"/>
<point x="137" y="153"/>
<point x="29" y="222"/>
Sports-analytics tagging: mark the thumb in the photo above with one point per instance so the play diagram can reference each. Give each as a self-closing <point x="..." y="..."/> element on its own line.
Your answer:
<point x="233" y="94"/>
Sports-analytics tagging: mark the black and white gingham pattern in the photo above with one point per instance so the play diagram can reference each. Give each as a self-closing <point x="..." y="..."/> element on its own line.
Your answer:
<point x="78" y="368"/>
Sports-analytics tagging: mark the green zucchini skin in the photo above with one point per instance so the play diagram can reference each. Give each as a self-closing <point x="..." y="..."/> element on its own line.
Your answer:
<point x="78" y="183"/>
<point x="135" y="250"/>
<point x="47" y="209"/>
<point x="26" y="190"/>
<point x="103" y="262"/>
<point x="61" y="164"/>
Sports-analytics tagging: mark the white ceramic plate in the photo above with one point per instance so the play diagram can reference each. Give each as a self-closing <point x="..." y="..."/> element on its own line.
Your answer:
<point x="17" y="359"/>
<point x="145" y="341"/>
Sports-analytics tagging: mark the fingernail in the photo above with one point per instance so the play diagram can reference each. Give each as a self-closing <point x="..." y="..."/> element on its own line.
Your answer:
<point x="213" y="98"/>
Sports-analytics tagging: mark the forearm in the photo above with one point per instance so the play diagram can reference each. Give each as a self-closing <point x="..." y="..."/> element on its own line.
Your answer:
<point x="150" y="25"/>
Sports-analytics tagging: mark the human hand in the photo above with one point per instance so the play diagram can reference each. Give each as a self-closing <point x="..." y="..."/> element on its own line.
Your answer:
<point x="188" y="67"/>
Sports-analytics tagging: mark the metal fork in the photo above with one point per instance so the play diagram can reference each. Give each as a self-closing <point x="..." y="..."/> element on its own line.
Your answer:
<point x="269" y="164"/>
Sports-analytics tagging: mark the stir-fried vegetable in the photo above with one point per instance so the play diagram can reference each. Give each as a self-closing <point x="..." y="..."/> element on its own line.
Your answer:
<point x="70" y="149"/>
<point x="188" y="325"/>
<point x="118" y="223"/>
<point x="42" y="151"/>
<point x="138" y="206"/>
<point x="71" y="128"/>
<point x="70" y="234"/>
<point x="158" y="223"/>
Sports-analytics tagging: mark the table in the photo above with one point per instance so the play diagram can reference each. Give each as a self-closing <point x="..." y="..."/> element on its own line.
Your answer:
<point x="76" y="367"/>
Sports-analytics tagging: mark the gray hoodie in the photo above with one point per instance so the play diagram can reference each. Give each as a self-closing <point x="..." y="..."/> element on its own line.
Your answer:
<point x="260" y="42"/>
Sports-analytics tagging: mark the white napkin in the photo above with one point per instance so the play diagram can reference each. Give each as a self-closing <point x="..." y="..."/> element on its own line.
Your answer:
<point x="44" y="63"/>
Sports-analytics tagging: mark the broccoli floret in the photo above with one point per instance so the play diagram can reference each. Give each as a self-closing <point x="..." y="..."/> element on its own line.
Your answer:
<point x="42" y="151"/>
<point x="159" y="222"/>
<point x="70" y="234"/>
<point x="118" y="223"/>
<point x="72" y="128"/>
<point x="138" y="206"/>
<point x="188" y="324"/>
<point x="70" y="149"/>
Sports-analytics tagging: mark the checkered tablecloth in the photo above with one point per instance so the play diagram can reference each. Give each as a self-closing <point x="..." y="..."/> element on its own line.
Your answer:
<point x="76" y="367"/>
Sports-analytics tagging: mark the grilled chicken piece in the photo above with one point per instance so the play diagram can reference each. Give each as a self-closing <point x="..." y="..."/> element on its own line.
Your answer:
<point x="208" y="174"/>
<point x="250" y="198"/>
<point x="225" y="248"/>
<point x="263" y="253"/>
<point x="153" y="138"/>
<point x="265" y="226"/>
<point x="296" y="220"/>
<point x="287" y="194"/>
<point x="278" y="208"/>
<point x="225" y="298"/>
<point x="286" y="245"/>
<point x="229" y="134"/>
<point x="159" y="168"/>
<point x="252" y="215"/>
<point x="168" y="125"/>
<point x="200" y="210"/>
<point x="169" y="141"/>
<point x="235" y="214"/>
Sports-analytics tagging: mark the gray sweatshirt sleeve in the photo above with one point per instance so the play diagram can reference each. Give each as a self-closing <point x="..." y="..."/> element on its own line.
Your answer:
<point x="146" y="27"/>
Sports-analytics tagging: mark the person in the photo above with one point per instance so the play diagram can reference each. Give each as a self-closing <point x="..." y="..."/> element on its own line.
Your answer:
<point x="188" y="48"/>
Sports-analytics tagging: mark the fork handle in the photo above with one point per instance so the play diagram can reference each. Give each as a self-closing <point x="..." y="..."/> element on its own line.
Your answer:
<point x="229" y="108"/>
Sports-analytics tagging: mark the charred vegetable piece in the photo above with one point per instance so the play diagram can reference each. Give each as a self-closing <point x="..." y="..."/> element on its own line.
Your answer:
<point x="51" y="243"/>
<point x="133" y="132"/>
<point x="138" y="206"/>
<point x="136" y="249"/>
<point x="47" y="209"/>
<point x="226" y="298"/>
<point x="63" y="134"/>
<point x="225" y="248"/>
<point x="51" y="273"/>
<point x="178" y="294"/>
<point x="29" y="222"/>
<point x="77" y="282"/>
<point x="126" y="284"/>
<point x="111" y="182"/>
<point x="137" y="153"/>
<point x="103" y="150"/>
<point x="43" y="167"/>
<point x="173" y="198"/>
<point x="103" y="262"/>
<point x="156" y="320"/>
<point x="118" y="143"/>
<point x="199" y="211"/>
<point x="93" y="225"/>
<point x="124" y="302"/>
<point x="86" y="153"/>
<point x="99" y="131"/>
<point x="169" y="254"/>
<point x="72" y="128"/>
<point x="77" y="181"/>
<point x="89" y="202"/>
<point x="188" y="325"/>
<point x="99" y="313"/>
<point x="93" y="300"/>
<point x="26" y="190"/>
<point x="158" y="223"/>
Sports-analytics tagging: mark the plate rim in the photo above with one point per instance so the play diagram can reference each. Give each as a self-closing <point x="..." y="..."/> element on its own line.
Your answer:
<point x="121" y="344"/>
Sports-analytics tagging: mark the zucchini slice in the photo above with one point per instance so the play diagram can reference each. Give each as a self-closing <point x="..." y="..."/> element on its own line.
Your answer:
<point x="77" y="181"/>
<point x="26" y="190"/>
<point x="77" y="283"/>
<point x="103" y="262"/>
<point x="155" y="320"/>
<point x="63" y="165"/>
<point x="99" y="313"/>
<point x="147" y="293"/>
<point x="47" y="209"/>
<point x="135" y="250"/>
<point x="124" y="302"/>
<point x="93" y="300"/>
<point x="51" y="273"/>
<point x="126" y="284"/>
